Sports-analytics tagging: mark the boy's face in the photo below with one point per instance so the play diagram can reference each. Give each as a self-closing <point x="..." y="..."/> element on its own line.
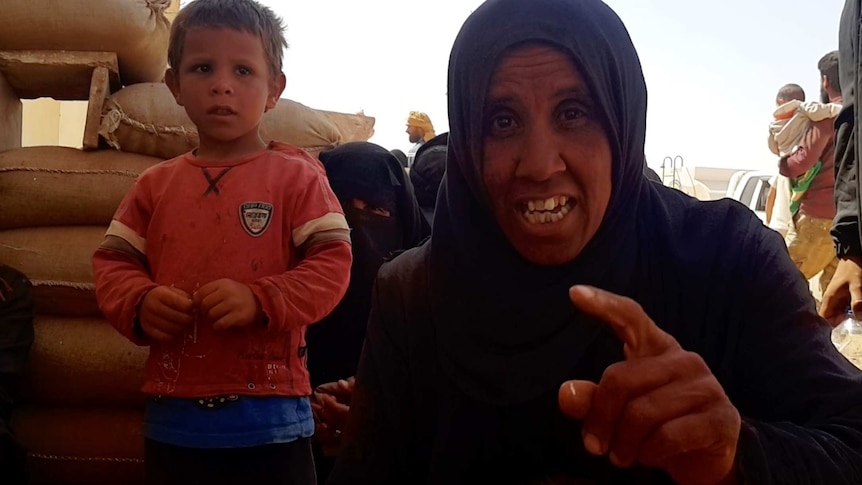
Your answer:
<point x="224" y="84"/>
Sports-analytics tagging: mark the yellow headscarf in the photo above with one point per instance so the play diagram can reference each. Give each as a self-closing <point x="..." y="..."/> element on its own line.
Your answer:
<point x="421" y="120"/>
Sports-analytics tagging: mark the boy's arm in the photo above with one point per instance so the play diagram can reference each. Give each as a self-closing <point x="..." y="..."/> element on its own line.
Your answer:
<point x="319" y="234"/>
<point x="122" y="281"/>
<point x="814" y="143"/>
<point x="309" y="291"/>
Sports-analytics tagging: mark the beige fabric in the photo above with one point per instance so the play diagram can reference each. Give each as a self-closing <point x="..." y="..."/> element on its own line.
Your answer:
<point x="811" y="248"/>
<point x="55" y="258"/>
<point x="137" y="30"/>
<point x="781" y="218"/>
<point x="785" y="135"/>
<point x="82" y="445"/>
<point x="51" y="186"/>
<point x="352" y="127"/>
<point x="145" y="118"/>
<point x="83" y="361"/>
<point x="327" y="222"/>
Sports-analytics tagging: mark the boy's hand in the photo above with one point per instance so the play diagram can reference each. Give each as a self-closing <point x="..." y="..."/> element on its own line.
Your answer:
<point x="228" y="303"/>
<point x="166" y="312"/>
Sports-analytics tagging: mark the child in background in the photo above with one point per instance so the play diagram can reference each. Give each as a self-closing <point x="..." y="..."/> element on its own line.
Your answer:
<point x="219" y="258"/>
<point x="793" y="119"/>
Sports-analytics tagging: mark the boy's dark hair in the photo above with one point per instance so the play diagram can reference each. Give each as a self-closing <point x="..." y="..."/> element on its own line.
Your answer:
<point x="828" y="67"/>
<point x="243" y="15"/>
<point x="790" y="92"/>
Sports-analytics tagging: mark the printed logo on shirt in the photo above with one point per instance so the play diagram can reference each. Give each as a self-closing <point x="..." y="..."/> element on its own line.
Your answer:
<point x="255" y="217"/>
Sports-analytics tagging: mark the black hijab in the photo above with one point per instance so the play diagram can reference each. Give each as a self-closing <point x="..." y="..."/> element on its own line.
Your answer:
<point x="427" y="173"/>
<point x="506" y="329"/>
<point x="372" y="174"/>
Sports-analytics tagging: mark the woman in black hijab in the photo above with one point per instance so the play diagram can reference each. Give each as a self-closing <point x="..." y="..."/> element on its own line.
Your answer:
<point x="570" y="320"/>
<point x="427" y="173"/>
<point x="384" y="218"/>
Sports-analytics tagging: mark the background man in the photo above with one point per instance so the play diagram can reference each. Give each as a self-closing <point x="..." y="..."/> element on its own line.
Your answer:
<point x="420" y="130"/>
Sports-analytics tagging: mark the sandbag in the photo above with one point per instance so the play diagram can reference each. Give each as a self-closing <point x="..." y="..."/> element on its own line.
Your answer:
<point x="58" y="261"/>
<point x="51" y="186"/>
<point x="146" y="119"/>
<point x="137" y="30"/>
<point x="356" y="127"/>
<point x="82" y="445"/>
<point x="83" y="361"/>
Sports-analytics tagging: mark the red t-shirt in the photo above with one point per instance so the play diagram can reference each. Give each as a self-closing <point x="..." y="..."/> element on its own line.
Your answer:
<point x="269" y="220"/>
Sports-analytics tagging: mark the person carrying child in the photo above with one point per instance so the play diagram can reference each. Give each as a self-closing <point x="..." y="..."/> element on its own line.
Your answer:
<point x="810" y="167"/>
<point x="219" y="258"/>
<point x="793" y="118"/>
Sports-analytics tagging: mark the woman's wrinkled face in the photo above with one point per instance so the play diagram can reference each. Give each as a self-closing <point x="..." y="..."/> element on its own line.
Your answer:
<point x="547" y="161"/>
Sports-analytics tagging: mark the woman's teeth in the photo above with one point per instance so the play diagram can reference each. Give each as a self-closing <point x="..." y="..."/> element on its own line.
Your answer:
<point x="547" y="211"/>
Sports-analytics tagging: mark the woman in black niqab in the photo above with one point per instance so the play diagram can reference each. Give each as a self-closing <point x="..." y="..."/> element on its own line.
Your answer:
<point x="381" y="210"/>
<point x="371" y="175"/>
<point x="469" y="341"/>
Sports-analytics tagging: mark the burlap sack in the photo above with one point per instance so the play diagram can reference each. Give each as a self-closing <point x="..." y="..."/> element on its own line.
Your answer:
<point x="146" y="119"/>
<point x="51" y="186"/>
<point x="137" y="30"/>
<point x="82" y="445"/>
<point x="58" y="261"/>
<point x="356" y="127"/>
<point x="83" y="361"/>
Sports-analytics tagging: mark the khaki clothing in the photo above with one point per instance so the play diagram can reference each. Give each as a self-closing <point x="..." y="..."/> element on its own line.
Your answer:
<point x="811" y="249"/>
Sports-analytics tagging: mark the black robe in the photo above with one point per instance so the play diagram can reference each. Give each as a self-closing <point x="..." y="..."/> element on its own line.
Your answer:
<point x="468" y="343"/>
<point x="16" y="338"/>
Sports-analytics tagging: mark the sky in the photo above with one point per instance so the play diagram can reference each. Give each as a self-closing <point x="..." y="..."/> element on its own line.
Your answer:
<point x="712" y="68"/>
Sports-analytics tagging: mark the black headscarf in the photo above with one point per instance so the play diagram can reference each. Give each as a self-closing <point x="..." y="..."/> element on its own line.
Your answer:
<point x="401" y="156"/>
<point x="506" y="328"/>
<point x="427" y="173"/>
<point x="372" y="174"/>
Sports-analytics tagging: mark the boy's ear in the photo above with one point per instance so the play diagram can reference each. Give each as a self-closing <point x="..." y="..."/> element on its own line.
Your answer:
<point x="174" y="85"/>
<point x="276" y="87"/>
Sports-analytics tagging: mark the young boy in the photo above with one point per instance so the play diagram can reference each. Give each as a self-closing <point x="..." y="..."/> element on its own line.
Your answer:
<point x="792" y="119"/>
<point x="219" y="258"/>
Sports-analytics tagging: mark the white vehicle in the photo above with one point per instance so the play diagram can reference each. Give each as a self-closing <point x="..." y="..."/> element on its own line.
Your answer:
<point x="751" y="188"/>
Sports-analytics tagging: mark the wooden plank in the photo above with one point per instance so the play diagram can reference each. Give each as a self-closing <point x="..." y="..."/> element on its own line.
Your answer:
<point x="99" y="92"/>
<point x="62" y="75"/>
<point x="10" y="116"/>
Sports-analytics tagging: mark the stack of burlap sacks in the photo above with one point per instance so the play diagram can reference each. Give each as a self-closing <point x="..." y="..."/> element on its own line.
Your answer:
<point x="81" y="413"/>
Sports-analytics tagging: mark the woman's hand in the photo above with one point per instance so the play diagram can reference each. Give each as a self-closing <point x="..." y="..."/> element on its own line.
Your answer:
<point x="661" y="407"/>
<point x="330" y="404"/>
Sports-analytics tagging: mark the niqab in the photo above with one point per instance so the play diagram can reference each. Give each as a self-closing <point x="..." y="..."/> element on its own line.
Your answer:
<point x="372" y="174"/>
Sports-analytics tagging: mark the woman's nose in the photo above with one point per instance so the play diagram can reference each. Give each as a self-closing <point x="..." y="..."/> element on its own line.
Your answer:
<point x="540" y="156"/>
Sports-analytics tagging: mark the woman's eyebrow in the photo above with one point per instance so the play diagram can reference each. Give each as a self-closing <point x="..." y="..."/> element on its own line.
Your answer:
<point x="501" y="100"/>
<point x="582" y="93"/>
